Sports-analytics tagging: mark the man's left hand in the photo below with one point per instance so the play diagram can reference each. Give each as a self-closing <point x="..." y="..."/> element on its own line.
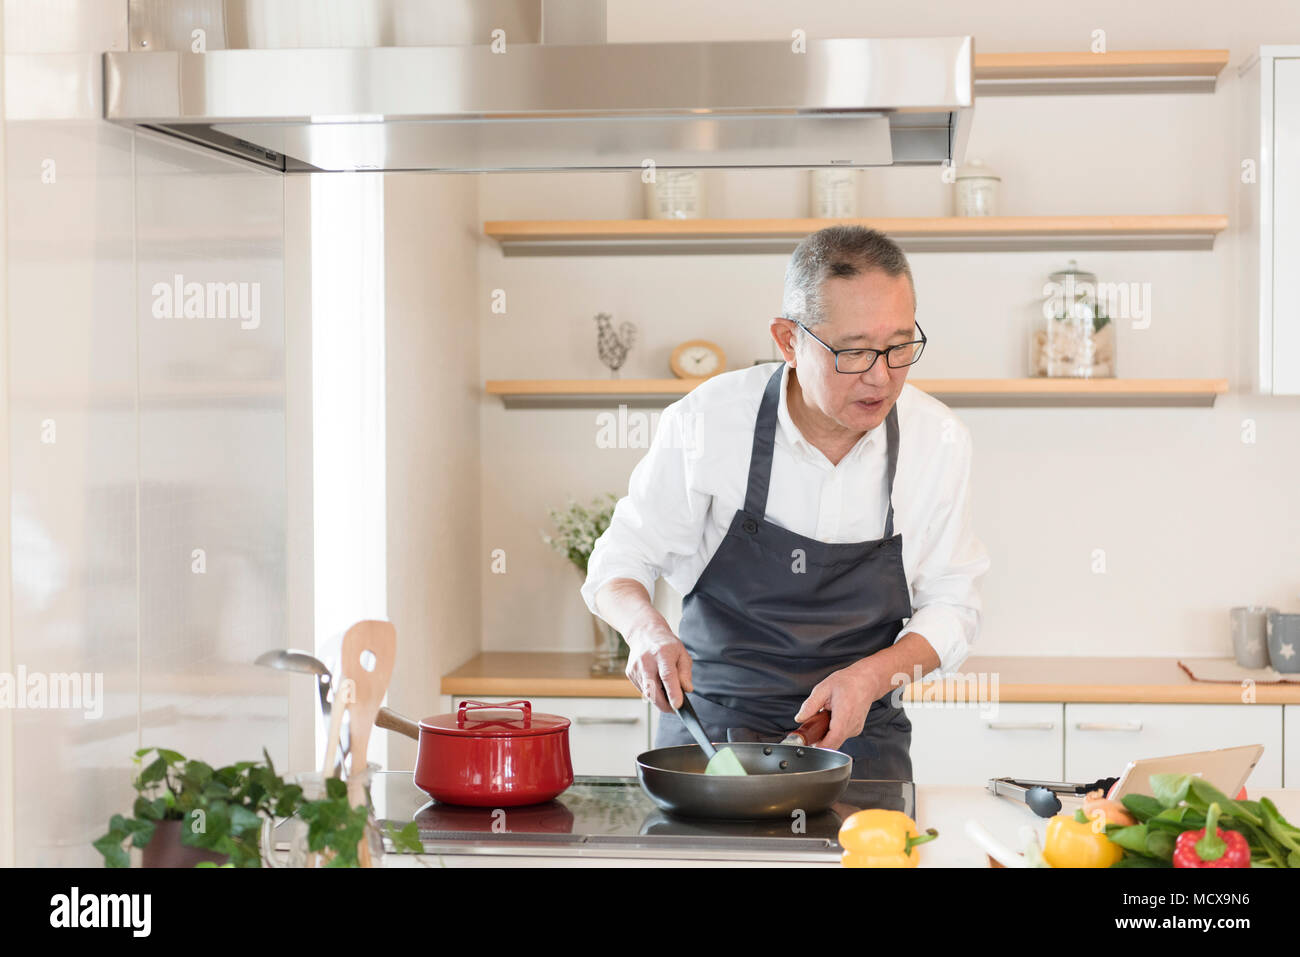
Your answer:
<point x="847" y="694"/>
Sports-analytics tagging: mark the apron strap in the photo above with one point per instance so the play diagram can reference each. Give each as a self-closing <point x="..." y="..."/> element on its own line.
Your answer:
<point x="760" y="456"/>
<point x="891" y="438"/>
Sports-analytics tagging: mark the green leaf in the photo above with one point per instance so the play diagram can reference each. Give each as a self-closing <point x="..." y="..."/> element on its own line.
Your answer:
<point x="1207" y="794"/>
<point x="141" y="832"/>
<point x="110" y="845"/>
<point x="1278" y="828"/>
<point x="195" y="775"/>
<point x="407" y="840"/>
<point x="1170" y="789"/>
<point x="242" y="820"/>
<point x="1134" y="860"/>
<point x="1142" y="806"/>
<point x="1161" y="844"/>
<point x="156" y="771"/>
<point x="1132" y="838"/>
<point x="1177" y="819"/>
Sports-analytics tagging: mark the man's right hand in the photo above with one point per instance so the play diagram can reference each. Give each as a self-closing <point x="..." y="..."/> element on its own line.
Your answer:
<point x="657" y="660"/>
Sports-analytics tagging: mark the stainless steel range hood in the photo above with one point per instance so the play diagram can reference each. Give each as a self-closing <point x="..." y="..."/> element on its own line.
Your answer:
<point x="541" y="106"/>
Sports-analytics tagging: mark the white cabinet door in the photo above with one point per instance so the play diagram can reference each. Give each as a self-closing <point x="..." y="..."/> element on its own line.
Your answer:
<point x="1100" y="739"/>
<point x="968" y="745"/>
<point x="1285" y="215"/>
<point x="1291" y="745"/>
<point x="606" y="734"/>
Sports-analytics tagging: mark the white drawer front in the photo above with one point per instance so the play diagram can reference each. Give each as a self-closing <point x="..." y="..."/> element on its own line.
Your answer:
<point x="606" y="734"/>
<point x="1291" y="742"/>
<point x="965" y="747"/>
<point x="1100" y="739"/>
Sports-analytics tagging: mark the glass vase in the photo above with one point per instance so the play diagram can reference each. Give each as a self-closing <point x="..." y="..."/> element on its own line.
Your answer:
<point x="610" y="650"/>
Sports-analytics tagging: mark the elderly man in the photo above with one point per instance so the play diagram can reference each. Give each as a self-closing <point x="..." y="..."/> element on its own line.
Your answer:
<point x="768" y="499"/>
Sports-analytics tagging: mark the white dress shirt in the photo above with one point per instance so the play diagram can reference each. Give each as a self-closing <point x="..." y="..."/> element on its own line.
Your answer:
<point x="684" y="493"/>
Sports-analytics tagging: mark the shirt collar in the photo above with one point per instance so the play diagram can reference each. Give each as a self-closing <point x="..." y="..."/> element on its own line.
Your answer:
<point x="796" y="438"/>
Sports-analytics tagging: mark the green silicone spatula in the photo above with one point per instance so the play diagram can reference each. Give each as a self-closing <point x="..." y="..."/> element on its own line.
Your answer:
<point x="721" y="760"/>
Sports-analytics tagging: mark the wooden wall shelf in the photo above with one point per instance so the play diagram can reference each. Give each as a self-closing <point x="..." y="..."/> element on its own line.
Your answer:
<point x="915" y="233"/>
<point x="1033" y="392"/>
<point x="1121" y="71"/>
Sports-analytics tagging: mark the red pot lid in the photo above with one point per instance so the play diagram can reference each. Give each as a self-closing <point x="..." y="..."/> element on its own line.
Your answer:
<point x="508" y="719"/>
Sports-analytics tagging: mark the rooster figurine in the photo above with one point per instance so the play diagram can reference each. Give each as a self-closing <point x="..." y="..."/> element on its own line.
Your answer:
<point x="613" y="346"/>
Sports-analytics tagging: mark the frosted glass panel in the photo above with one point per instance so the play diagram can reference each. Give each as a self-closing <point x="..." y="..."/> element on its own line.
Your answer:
<point x="73" y="434"/>
<point x="146" y="443"/>
<point x="210" y="304"/>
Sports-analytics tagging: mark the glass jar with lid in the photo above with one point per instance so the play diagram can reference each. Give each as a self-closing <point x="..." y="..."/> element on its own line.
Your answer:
<point x="1074" y="335"/>
<point x="975" y="191"/>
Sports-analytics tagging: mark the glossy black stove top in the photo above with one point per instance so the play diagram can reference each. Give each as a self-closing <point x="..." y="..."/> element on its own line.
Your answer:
<point x="613" y="817"/>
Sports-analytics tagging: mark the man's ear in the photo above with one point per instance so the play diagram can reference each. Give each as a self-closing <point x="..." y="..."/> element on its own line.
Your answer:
<point x="783" y="331"/>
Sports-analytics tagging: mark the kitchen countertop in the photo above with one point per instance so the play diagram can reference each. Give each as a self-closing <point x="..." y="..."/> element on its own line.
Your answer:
<point x="1010" y="679"/>
<point x="944" y="808"/>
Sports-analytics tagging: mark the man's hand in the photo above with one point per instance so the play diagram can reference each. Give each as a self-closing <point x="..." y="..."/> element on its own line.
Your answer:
<point x="847" y="694"/>
<point x="657" y="660"/>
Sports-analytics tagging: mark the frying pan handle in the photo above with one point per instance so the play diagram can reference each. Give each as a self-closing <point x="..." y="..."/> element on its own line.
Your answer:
<point x="814" y="729"/>
<point x="390" y="720"/>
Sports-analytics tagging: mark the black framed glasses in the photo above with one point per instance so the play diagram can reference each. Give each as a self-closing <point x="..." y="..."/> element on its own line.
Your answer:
<point x="858" y="361"/>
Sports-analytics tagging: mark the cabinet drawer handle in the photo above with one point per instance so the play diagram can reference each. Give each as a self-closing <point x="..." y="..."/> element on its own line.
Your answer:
<point x="1021" y="725"/>
<point x="1109" y="725"/>
<point x="587" y="720"/>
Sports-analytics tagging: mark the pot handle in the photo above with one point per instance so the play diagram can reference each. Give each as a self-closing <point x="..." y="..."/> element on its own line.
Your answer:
<point x="470" y="705"/>
<point x="390" y="720"/>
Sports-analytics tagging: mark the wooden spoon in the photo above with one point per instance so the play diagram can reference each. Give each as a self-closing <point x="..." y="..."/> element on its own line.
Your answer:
<point x="379" y="638"/>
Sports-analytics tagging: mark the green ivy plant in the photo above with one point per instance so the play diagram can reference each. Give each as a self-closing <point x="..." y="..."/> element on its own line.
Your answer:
<point x="222" y="811"/>
<point x="335" y="830"/>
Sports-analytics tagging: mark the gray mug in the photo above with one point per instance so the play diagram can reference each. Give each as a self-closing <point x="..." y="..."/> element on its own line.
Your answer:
<point x="1250" y="635"/>
<point x="1284" y="641"/>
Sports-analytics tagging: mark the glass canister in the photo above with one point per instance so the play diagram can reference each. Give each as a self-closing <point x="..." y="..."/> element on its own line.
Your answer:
<point x="675" y="194"/>
<point x="976" y="191"/>
<point x="833" y="192"/>
<point x="1074" y="337"/>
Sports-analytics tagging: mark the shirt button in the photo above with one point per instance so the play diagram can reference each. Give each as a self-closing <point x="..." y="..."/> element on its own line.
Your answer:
<point x="750" y="526"/>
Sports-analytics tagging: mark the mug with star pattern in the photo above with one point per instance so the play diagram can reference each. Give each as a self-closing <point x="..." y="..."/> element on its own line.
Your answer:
<point x="1284" y="641"/>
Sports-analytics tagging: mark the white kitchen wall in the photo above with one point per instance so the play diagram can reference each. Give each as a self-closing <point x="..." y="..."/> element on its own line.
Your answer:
<point x="433" y="441"/>
<point x="1192" y="520"/>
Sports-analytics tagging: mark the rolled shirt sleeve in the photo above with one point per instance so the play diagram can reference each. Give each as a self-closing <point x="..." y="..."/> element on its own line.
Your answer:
<point x="945" y="593"/>
<point x="661" y="518"/>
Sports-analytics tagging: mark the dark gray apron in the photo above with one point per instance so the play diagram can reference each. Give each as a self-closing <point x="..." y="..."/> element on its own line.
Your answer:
<point x="773" y="613"/>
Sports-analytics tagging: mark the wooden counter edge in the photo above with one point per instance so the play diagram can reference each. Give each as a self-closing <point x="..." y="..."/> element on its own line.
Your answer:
<point x="507" y="675"/>
<point x="1010" y="694"/>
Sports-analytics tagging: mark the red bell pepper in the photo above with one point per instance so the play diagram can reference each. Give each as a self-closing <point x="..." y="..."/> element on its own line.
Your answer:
<point x="1224" y="849"/>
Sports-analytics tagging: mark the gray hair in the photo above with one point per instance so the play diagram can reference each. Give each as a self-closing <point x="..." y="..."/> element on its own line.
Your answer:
<point x="837" y="252"/>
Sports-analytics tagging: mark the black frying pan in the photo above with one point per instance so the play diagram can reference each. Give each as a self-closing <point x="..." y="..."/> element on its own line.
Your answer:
<point x="780" y="779"/>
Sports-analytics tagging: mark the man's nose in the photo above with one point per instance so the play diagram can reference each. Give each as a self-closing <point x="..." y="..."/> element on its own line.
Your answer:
<point x="878" y="374"/>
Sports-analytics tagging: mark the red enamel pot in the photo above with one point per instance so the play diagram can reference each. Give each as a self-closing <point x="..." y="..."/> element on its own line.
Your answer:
<point x="489" y="755"/>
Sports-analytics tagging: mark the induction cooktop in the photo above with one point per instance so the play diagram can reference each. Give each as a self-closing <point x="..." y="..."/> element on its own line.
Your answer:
<point x="613" y="817"/>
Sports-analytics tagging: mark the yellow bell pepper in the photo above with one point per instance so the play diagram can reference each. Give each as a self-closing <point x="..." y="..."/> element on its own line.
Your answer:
<point x="1072" y="843"/>
<point x="879" y="838"/>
